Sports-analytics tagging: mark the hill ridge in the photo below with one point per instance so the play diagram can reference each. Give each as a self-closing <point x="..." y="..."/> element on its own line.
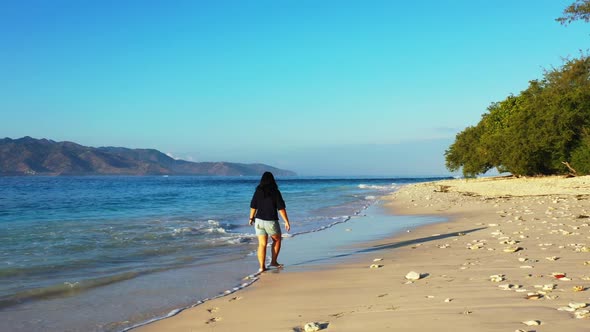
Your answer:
<point x="31" y="156"/>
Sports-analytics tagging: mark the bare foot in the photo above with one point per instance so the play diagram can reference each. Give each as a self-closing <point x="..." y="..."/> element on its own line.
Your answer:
<point x="276" y="264"/>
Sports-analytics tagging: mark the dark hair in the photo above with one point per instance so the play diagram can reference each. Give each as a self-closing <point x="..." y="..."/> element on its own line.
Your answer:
<point x="267" y="184"/>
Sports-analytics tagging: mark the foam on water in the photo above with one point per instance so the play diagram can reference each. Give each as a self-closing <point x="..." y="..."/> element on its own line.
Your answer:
<point x="252" y="278"/>
<point x="64" y="237"/>
<point x="390" y="187"/>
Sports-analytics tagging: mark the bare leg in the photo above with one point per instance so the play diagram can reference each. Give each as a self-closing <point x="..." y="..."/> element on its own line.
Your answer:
<point x="262" y="241"/>
<point x="276" y="248"/>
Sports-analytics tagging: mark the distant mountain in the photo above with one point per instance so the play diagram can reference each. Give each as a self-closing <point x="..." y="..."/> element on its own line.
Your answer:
<point x="30" y="156"/>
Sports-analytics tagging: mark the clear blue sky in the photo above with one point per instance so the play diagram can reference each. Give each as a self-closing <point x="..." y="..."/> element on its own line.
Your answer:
<point x="319" y="87"/>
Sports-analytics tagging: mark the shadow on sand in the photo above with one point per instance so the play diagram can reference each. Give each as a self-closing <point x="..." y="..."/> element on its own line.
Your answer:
<point x="393" y="245"/>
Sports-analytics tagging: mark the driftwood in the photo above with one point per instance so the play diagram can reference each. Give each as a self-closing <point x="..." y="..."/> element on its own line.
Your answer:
<point x="572" y="170"/>
<point x="442" y="189"/>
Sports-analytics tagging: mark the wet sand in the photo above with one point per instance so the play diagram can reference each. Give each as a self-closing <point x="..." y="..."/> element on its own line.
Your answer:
<point x="513" y="251"/>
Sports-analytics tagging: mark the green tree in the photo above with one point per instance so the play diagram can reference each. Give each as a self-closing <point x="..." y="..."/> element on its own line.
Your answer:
<point x="465" y="153"/>
<point x="581" y="155"/>
<point x="532" y="133"/>
<point x="579" y="10"/>
<point x="538" y="131"/>
<point x="495" y="125"/>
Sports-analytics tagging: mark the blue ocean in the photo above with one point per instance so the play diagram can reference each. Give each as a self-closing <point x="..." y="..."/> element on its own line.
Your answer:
<point x="106" y="253"/>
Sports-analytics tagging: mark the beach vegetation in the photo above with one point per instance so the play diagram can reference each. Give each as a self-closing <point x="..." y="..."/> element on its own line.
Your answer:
<point x="544" y="130"/>
<point x="581" y="154"/>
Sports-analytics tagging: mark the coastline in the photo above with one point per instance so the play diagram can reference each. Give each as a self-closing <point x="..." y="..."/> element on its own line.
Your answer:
<point x="546" y="228"/>
<point x="318" y="250"/>
<point x="167" y="248"/>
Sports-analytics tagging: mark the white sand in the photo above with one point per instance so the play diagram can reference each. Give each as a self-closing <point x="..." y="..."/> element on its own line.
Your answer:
<point x="539" y="217"/>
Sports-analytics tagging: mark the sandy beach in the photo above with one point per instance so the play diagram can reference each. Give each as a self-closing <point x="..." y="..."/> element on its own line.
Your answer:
<point x="513" y="256"/>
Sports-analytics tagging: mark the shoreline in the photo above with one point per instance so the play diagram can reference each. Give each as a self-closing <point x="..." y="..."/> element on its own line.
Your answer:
<point x="344" y="246"/>
<point x="455" y="258"/>
<point x="176" y="256"/>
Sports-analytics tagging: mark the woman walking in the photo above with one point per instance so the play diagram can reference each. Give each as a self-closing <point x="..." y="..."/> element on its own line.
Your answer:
<point x="267" y="200"/>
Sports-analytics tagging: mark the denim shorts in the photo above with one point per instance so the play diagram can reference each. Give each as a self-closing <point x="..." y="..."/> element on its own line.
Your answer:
<point x="267" y="227"/>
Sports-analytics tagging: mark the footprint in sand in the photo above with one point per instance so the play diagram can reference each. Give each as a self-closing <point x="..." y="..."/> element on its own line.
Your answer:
<point x="213" y="320"/>
<point x="338" y="315"/>
<point x="212" y="310"/>
<point x="236" y="298"/>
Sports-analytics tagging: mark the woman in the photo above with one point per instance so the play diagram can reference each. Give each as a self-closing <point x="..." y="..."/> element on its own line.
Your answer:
<point x="267" y="200"/>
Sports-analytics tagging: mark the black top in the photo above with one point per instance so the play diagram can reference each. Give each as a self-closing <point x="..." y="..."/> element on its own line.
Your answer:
<point x="267" y="206"/>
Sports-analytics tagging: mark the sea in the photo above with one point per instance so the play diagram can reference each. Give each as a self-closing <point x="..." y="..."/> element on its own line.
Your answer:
<point x="109" y="253"/>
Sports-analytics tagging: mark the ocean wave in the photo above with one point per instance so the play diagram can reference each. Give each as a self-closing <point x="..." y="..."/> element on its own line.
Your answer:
<point x="241" y="239"/>
<point x="210" y="227"/>
<point x="390" y="187"/>
<point x="219" y="230"/>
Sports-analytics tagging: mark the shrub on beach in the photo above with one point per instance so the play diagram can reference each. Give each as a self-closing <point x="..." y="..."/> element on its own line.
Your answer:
<point x="535" y="132"/>
<point x="581" y="155"/>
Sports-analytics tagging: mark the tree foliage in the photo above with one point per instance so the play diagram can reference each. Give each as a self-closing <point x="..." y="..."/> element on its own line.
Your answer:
<point x="579" y="10"/>
<point x="534" y="132"/>
<point x="581" y="154"/>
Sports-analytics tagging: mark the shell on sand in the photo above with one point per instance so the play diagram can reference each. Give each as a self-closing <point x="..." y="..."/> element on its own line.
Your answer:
<point x="510" y="242"/>
<point x="377" y="259"/>
<point x="412" y="275"/>
<point x="477" y="245"/>
<point x="582" y="314"/>
<point x="497" y="277"/>
<point x="552" y="258"/>
<point x="533" y="296"/>
<point x="577" y="305"/>
<point x="509" y="287"/>
<point x="375" y="266"/>
<point x="568" y="309"/>
<point x="312" y="327"/>
<point x="578" y="288"/>
<point x="560" y="276"/>
<point x="512" y="249"/>
<point x="532" y="322"/>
